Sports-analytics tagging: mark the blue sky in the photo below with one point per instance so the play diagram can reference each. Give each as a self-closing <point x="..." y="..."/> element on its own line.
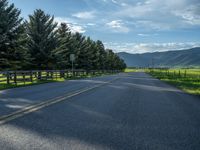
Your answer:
<point x="134" y="26"/>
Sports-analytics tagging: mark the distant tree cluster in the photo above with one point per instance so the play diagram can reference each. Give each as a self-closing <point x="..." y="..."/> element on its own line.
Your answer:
<point x="40" y="43"/>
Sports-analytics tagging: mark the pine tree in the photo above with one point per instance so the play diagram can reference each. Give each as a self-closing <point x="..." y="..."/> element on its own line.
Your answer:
<point x="78" y="48"/>
<point x="37" y="44"/>
<point x="101" y="54"/>
<point x="84" y="54"/>
<point x="42" y="40"/>
<point x="93" y="55"/>
<point x="21" y="55"/>
<point x="65" y="44"/>
<point x="89" y="51"/>
<point x="12" y="53"/>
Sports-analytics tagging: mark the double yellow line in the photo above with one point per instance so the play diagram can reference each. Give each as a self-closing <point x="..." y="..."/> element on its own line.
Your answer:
<point x="33" y="108"/>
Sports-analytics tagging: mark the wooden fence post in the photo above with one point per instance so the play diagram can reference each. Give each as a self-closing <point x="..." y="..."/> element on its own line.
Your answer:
<point x="31" y="76"/>
<point x="47" y="75"/>
<point x="56" y="75"/>
<point x="67" y="72"/>
<point x="51" y="74"/>
<point x="185" y="74"/>
<point x="60" y="74"/>
<point x="15" y="78"/>
<point x="23" y="75"/>
<point x="39" y="75"/>
<point x="8" y="77"/>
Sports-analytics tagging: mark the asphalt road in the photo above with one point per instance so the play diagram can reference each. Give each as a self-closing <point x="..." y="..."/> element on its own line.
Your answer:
<point x="134" y="112"/>
<point x="15" y="99"/>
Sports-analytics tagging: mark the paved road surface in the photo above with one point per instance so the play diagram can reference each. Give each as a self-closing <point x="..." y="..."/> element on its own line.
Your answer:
<point x="15" y="99"/>
<point x="135" y="112"/>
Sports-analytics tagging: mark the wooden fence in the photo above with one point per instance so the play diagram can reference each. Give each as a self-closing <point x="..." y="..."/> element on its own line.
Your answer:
<point x="15" y="77"/>
<point x="193" y="74"/>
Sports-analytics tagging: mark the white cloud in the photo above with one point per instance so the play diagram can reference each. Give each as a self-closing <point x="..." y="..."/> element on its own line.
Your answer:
<point x="147" y="35"/>
<point x="162" y="15"/>
<point x="77" y="28"/>
<point x="152" y="25"/>
<point x="91" y="24"/>
<point x="84" y="15"/>
<point x="143" y="35"/>
<point x="124" y="4"/>
<point x="114" y="1"/>
<point x="118" y="26"/>
<point x="117" y="2"/>
<point x="150" y="47"/>
<point x="115" y="24"/>
<point x="190" y="15"/>
<point x="60" y="20"/>
<point x="72" y="25"/>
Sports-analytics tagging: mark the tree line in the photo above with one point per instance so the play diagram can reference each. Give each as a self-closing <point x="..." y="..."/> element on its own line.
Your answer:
<point x="40" y="43"/>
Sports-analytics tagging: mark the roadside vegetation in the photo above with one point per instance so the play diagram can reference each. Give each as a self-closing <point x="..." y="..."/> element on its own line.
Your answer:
<point x="127" y="70"/>
<point x="187" y="80"/>
<point x="40" y="43"/>
<point x="4" y="85"/>
<point x="28" y="79"/>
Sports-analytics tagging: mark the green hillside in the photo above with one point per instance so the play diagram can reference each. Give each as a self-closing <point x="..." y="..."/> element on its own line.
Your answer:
<point x="179" y="58"/>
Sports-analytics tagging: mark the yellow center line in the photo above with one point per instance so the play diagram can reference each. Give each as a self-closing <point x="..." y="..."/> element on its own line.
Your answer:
<point x="38" y="106"/>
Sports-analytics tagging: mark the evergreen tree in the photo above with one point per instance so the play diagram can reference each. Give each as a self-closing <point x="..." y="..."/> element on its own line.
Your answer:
<point x="90" y="57"/>
<point x="65" y="46"/>
<point x="78" y="49"/>
<point x="101" y="55"/>
<point x="22" y="56"/>
<point x="37" y="44"/>
<point x="93" y="55"/>
<point x="84" y="55"/>
<point x="42" y="40"/>
<point x="12" y="53"/>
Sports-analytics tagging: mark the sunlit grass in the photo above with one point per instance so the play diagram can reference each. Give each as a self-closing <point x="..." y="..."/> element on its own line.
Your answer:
<point x="4" y="85"/>
<point x="186" y="79"/>
<point x="127" y="70"/>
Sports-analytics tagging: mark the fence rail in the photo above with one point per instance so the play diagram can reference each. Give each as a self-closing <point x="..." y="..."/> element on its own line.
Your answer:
<point x="16" y="77"/>
<point x="193" y="74"/>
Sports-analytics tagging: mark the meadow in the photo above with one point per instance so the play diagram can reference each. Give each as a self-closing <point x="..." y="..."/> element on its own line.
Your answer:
<point x="187" y="80"/>
<point x="127" y="70"/>
<point x="27" y="79"/>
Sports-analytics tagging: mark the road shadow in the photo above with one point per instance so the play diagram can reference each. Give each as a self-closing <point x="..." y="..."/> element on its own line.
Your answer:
<point x="121" y="115"/>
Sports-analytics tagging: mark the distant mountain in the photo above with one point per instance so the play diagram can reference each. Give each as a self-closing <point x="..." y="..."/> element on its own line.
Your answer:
<point x="179" y="58"/>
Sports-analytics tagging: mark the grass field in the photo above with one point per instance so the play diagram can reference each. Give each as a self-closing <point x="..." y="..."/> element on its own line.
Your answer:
<point x="127" y="70"/>
<point x="4" y="85"/>
<point x="187" y="80"/>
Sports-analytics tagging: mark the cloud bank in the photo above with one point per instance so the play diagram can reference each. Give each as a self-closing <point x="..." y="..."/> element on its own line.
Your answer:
<point x="150" y="47"/>
<point x="142" y="21"/>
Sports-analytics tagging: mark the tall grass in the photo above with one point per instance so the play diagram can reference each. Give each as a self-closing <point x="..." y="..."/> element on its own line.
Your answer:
<point x="127" y="70"/>
<point x="186" y="79"/>
<point x="5" y="85"/>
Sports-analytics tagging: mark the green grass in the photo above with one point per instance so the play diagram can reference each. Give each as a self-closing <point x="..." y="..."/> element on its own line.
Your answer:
<point x="4" y="85"/>
<point x="187" y="80"/>
<point x="127" y="70"/>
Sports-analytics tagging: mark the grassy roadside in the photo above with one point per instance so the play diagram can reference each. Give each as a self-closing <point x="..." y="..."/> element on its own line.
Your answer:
<point x="187" y="80"/>
<point x="4" y="86"/>
<point x="127" y="70"/>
